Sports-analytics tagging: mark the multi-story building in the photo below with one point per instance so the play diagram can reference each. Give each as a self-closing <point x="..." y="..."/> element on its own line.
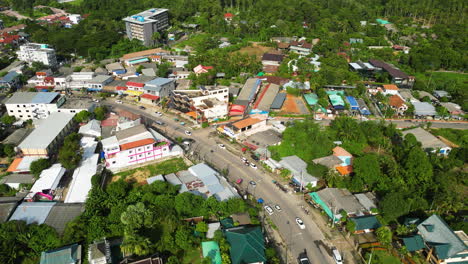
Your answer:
<point x="136" y="145"/>
<point x="157" y="88"/>
<point x="142" y="26"/>
<point x="206" y="103"/>
<point x="10" y="80"/>
<point x="45" y="80"/>
<point x="34" y="52"/>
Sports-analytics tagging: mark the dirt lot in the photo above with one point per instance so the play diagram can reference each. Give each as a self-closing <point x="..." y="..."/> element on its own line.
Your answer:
<point x="294" y="106"/>
<point x="256" y="49"/>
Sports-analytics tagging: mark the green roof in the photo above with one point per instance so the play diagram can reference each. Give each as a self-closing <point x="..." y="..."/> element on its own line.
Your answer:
<point x="436" y="233"/>
<point x="247" y="244"/>
<point x="260" y="74"/>
<point x="366" y="222"/>
<point x="311" y="98"/>
<point x="65" y="255"/>
<point x="211" y="249"/>
<point x="335" y="92"/>
<point x="227" y="222"/>
<point x="336" y="100"/>
<point x="316" y="198"/>
<point x="413" y="243"/>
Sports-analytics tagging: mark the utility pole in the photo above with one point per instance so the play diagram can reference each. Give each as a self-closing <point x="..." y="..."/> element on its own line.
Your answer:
<point x="302" y="179"/>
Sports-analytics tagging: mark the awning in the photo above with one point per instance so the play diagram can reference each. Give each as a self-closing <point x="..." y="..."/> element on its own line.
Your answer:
<point x="134" y="93"/>
<point x="150" y="97"/>
<point x="138" y="61"/>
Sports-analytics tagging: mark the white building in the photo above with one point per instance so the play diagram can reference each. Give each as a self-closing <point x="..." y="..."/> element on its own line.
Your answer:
<point x="244" y="127"/>
<point x="48" y="180"/>
<point x="143" y="25"/>
<point x="30" y="105"/>
<point x="78" y="80"/>
<point x="136" y="145"/>
<point x="74" y="18"/>
<point x="209" y="103"/>
<point x="34" y="52"/>
<point x="98" y="82"/>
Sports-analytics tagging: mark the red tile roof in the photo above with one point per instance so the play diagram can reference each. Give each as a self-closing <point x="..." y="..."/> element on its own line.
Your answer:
<point x="136" y="144"/>
<point x="246" y="122"/>
<point x="396" y="101"/>
<point x="228" y="15"/>
<point x="390" y="87"/>
<point x="150" y="96"/>
<point x="121" y="88"/>
<point x="136" y="84"/>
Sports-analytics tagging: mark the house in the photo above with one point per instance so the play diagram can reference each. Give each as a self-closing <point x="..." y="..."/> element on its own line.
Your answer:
<point x="199" y="69"/>
<point x="413" y="243"/>
<point x="340" y="160"/>
<point x="45" y="80"/>
<point x="390" y="89"/>
<point x="51" y="131"/>
<point x="206" y="103"/>
<point x="17" y="136"/>
<point x="9" y="39"/>
<point x="115" y="68"/>
<point x="98" y="82"/>
<point x="15" y="180"/>
<point x="247" y="244"/>
<point x="244" y="127"/>
<point x="428" y="141"/>
<point x="453" y="108"/>
<point x="228" y="17"/>
<point x="298" y="169"/>
<point x="272" y="59"/>
<point x="363" y="109"/>
<point x="178" y="61"/>
<point x="301" y="47"/>
<point x="211" y="249"/>
<point x="138" y="57"/>
<point x="136" y="145"/>
<point x="65" y="255"/>
<point x="424" y="110"/>
<point x="91" y="129"/>
<point x="334" y="202"/>
<point x="10" y="81"/>
<point x="444" y="246"/>
<point x="32" y="212"/>
<point x="365" y="224"/>
<point x="21" y="165"/>
<point x="248" y="93"/>
<point x="353" y="104"/>
<point x="336" y="100"/>
<point x="363" y="68"/>
<point x="79" y="80"/>
<point x="305" y="86"/>
<point x="398" y="77"/>
<point x="35" y="52"/>
<point x="134" y="86"/>
<point x="61" y="214"/>
<point x="398" y="104"/>
<point x="32" y="105"/>
<point x="48" y="180"/>
<point x="265" y="99"/>
<point x="157" y="88"/>
<point x="104" y="251"/>
<point x="178" y="75"/>
<point x="8" y="206"/>
<point x="440" y="93"/>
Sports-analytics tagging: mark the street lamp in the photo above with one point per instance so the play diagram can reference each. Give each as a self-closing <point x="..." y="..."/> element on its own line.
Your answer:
<point x="287" y="242"/>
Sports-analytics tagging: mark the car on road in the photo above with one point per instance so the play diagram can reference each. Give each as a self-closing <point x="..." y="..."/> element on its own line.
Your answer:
<point x="239" y="181"/>
<point x="159" y="123"/>
<point x="337" y="256"/>
<point x="268" y="209"/>
<point x="303" y="259"/>
<point x="188" y="133"/>
<point x="244" y="159"/>
<point x="300" y="223"/>
<point x="253" y="166"/>
<point x="254" y="157"/>
<point x="222" y="146"/>
<point x="119" y="101"/>
<point x="142" y="107"/>
<point x="252" y="183"/>
<point x="158" y="113"/>
<point x="278" y="208"/>
<point x="96" y="100"/>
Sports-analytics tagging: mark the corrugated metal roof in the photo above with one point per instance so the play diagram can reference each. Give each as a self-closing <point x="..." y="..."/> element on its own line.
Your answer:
<point x="424" y="109"/>
<point x="278" y="101"/>
<point x="32" y="212"/>
<point x="81" y="180"/>
<point x="267" y="97"/>
<point x="366" y="222"/>
<point x="32" y="98"/>
<point x="352" y="102"/>
<point x="311" y="98"/>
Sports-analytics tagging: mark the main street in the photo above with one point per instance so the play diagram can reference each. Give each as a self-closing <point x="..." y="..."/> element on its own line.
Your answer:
<point x="297" y="240"/>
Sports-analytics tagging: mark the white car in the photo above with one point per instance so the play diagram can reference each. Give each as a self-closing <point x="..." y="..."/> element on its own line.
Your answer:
<point x="119" y="101"/>
<point x="222" y="146"/>
<point x="278" y="208"/>
<point x="253" y="166"/>
<point x="158" y="113"/>
<point x="188" y="133"/>
<point x="96" y="100"/>
<point x="244" y="160"/>
<point x="300" y="223"/>
<point x="337" y="256"/>
<point x="268" y="209"/>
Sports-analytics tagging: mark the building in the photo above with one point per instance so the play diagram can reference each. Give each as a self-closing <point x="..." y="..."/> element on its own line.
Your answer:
<point x="247" y="244"/>
<point x="8" y="206"/>
<point x="134" y="86"/>
<point x="199" y="69"/>
<point x="136" y="145"/>
<point x="138" y="57"/>
<point x="265" y="99"/>
<point x="61" y="214"/>
<point x="353" y="104"/>
<point x="453" y="108"/>
<point x="424" y="110"/>
<point x="98" y="82"/>
<point x="301" y="47"/>
<point x="10" y="81"/>
<point x="30" y="105"/>
<point x="203" y="104"/>
<point x="65" y="255"/>
<point x="398" y="104"/>
<point x="156" y="89"/>
<point x="211" y="249"/>
<point x="365" y="224"/>
<point x="363" y="68"/>
<point x="334" y="202"/>
<point x="51" y="131"/>
<point x="45" y="80"/>
<point x="336" y="100"/>
<point x="244" y="127"/>
<point x="91" y="129"/>
<point x="81" y="180"/>
<point x="34" y="52"/>
<point x="247" y="95"/>
<point x="444" y="245"/>
<point x="398" y="77"/>
<point x="341" y="161"/>
<point x="105" y="251"/>
<point x="15" y="180"/>
<point x="48" y="180"/>
<point x="272" y="59"/>
<point x="390" y="89"/>
<point x="144" y="25"/>
<point x="32" y="212"/>
<point x="79" y="80"/>
<point x="298" y="169"/>
<point x="428" y="141"/>
<point x="363" y="109"/>
<point x="440" y="93"/>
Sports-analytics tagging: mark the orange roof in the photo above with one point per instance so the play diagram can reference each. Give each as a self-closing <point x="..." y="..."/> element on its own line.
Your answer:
<point x="390" y="87"/>
<point x="246" y="122"/>
<point x="341" y="152"/>
<point x="14" y="165"/>
<point x="192" y="114"/>
<point x="143" y="53"/>
<point x="396" y="101"/>
<point x="345" y="170"/>
<point x="137" y="144"/>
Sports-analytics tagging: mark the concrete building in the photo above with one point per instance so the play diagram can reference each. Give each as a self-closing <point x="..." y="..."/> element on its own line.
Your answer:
<point x="428" y="141"/>
<point x="157" y="88"/>
<point x="50" y="132"/>
<point x="98" y="82"/>
<point x="34" y="52"/>
<point x="143" y="25"/>
<point x="204" y="104"/>
<point x="30" y="105"/>
<point x="298" y="169"/>
<point x="78" y="80"/>
<point x="244" y="127"/>
<point x="10" y="80"/>
<point x="136" y="145"/>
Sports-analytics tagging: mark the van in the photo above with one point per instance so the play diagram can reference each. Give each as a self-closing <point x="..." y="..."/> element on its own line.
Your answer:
<point x="337" y="256"/>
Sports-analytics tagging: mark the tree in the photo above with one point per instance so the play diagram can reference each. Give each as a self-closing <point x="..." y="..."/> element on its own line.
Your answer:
<point x="100" y="113"/>
<point x="384" y="235"/>
<point x="70" y="153"/>
<point x="9" y="150"/>
<point x="394" y="205"/>
<point x="38" y="166"/>
<point x="82" y="116"/>
<point x="183" y="238"/>
<point x="201" y="227"/>
<point x="8" y="120"/>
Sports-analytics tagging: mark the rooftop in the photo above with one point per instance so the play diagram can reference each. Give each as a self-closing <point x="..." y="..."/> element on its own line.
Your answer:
<point x="266" y="97"/>
<point x="427" y="139"/>
<point x="75" y="103"/>
<point x="247" y="244"/>
<point x="61" y="214"/>
<point x="144" y="53"/>
<point x="390" y="87"/>
<point x="67" y="254"/>
<point x="392" y="70"/>
<point x="366" y="222"/>
<point x="47" y="131"/>
<point x="145" y="16"/>
<point x="17" y="178"/>
<point x="396" y="101"/>
<point x="17" y="136"/>
<point x="328" y="161"/>
<point x="211" y="249"/>
<point x="249" y="89"/>
<point x="81" y="180"/>
<point x="32" y="98"/>
<point x="341" y="199"/>
<point x="272" y="57"/>
<point x="424" y="109"/>
<point x="32" y="212"/>
<point x="246" y="122"/>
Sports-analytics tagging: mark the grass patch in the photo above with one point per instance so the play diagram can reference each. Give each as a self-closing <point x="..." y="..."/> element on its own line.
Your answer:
<point x="74" y="3"/>
<point x="192" y="256"/>
<point x="457" y="136"/>
<point x="142" y="173"/>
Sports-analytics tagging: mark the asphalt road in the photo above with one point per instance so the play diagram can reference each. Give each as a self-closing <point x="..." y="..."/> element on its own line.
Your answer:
<point x="298" y="240"/>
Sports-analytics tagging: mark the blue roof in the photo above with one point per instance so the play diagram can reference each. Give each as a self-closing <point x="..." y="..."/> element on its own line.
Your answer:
<point x="10" y="76"/>
<point x="278" y="101"/>
<point x="44" y="98"/>
<point x="32" y="212"/>
<point x="352" y="102"/>
<point x="254" y="89"/>
<point x="155" y="84"/>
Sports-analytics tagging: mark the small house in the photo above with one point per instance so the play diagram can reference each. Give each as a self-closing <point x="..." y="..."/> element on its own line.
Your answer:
<point x="65" y="255"/>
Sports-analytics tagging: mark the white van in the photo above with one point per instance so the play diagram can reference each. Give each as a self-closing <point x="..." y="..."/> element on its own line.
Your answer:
<point x="337" y="256"/>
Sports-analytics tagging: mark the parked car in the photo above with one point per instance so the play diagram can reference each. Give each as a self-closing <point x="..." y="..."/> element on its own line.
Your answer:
<point x="244" y="159"/>
<point x="253" y="166"/>
<point x="337" y="256"/>
<point x="303" y="259"/>
<point x="239" y="181"/>
<point x="96" y="100"/>
<point x="278" y="208"/>
<point x="300" y="223"/>
<point x="188" y="133"/>
<point x="142" y="107"/>
<point x="268" y="209"/>
<point x="222" y="146"/>
<point x="119" y="101"/>
<point x="253" y="183"/>
<point x="158" y="113"/>
<point x="254" y="157"/>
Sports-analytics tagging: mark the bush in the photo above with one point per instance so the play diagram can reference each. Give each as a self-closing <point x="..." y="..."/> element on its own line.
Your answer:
<point x="205" y="125"/>
<point x="38" y="166"/>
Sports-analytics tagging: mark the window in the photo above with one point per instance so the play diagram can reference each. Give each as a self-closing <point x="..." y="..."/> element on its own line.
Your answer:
<point x="130" y="151"/>
<point x="29" y="115"/>
<point x="140" y="155"/>
<point x="17" y="106"/>
<point x="114" y="162"/>
<point x="19" y="111"/>
<point x="27" y="111"/>
<point x="24" y="105"/>
<point x="58" y="111"/>
<point x="131" y="157"/>
<point x="20" y="116"/>
<point x="11" y="111"/>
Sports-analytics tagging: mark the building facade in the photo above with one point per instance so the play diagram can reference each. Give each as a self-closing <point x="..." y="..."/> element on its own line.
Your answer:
<point x="206" y="103"/>
<point x="142" y="26"/>
<point x="27" y="105"/>
<point x="34" y="52"/>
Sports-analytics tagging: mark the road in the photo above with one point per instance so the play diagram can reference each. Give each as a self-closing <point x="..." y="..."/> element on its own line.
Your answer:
<point x="208" y="150"/>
